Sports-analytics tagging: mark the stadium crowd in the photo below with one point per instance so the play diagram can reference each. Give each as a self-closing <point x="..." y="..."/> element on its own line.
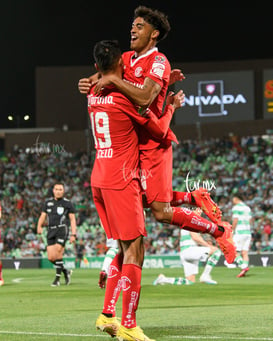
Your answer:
<point x="223" y="166"/>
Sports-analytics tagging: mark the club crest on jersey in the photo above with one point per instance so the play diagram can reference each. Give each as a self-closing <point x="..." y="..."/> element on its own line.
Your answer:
<point x="138" y="71"/>
<point x="60" y="210"/>
<point x="157" y="70"/>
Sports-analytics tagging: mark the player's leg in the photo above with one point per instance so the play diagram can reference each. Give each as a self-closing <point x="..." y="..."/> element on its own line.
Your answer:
<point x="162" y="279"/>
<point x="211" y="260"/>
<point x="156" y="165"/>
<point x="118" y="215"/>
<point x="131" y="287"/>
<point x="200" y="198"/>
<point x="189" y="220"/>
<point x="242" y="243"/>
<point x="1" y="273"/>
<point x="61" y="238"/>
<point x="113" y="249"/>
<point x="190" y="258"/>
<point x="57" y="250"/>
<point x="52" y="255"/>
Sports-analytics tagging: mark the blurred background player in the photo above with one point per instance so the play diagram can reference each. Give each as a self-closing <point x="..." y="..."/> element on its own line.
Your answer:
<point x="193" y="250"/>
<point x="113" y="248"/>
<point x="241" y="226"/>
<point x="1" y="248"/>
<point x="80" y="251"/>
<point x="60" y="212"/>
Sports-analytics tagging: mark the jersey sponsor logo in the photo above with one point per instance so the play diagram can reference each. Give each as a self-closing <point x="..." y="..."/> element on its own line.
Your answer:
<point x="93" y="100"/>
<point x="160" y="59"/>
<point x="157" y="70"/>
<point x="60" y="210"/>
<point x="50" y="204"/>
<point x="138" y="71"/>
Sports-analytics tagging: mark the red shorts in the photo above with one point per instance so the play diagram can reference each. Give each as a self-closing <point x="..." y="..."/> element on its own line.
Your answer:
<point x="157" y="173"/>
<point x="121" y="211"/>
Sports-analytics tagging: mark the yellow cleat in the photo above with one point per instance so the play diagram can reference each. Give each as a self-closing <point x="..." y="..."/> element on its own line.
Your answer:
<point x="132" y="334"/>
<point x="109" y="325"/>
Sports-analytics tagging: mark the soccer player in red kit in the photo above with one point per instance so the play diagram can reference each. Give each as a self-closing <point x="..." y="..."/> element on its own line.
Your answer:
<point x="145" y="82"/>
<point x="116" y="188"/>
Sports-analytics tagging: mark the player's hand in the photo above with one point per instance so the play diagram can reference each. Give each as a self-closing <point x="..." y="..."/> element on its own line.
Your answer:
<point x="72" y="239"/>
<point x="176" y="100"/>
<point x="84" y="85"/>
<point x="175" y="76"/>
<point x="102" y="83"/>
<point x="39" y="230"/>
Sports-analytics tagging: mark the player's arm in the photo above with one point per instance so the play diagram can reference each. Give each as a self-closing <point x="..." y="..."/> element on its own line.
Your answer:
<point x="234" y="223"/>
<point x="41" y="221"/>
<point x="159" y="127"/>
<point x="142" y="97"/>
<point x="199" y="240"/>
<point x="73" y="225"/>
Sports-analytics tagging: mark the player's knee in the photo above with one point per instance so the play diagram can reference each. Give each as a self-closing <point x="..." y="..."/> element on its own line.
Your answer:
<point x="162" y="216"/>
<point x="51" y="258"/>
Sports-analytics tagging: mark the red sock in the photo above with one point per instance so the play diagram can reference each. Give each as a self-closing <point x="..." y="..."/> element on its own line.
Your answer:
<point x="190" y="221"/>
<point x="180" y="198"/>
<point x="113" y="285"/>
<point x="131" y="286"/>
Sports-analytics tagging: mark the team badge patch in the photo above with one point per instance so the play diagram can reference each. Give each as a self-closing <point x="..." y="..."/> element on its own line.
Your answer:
<point x="160" y="59"/>
<point x="60" y="210"/>
<point x="138" y="71"/>
<point x="157" y="70"/>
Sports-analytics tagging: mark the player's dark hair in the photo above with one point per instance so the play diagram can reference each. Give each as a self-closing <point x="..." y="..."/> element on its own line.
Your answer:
<point x="239" y="196"/>
<point x="58" y="183"/>
<point x="106" y="54"/>
<point x="155" y="18"/>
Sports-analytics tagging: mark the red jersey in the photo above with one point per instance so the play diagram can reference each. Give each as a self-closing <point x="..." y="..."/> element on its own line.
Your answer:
<point x="156" y="66"/>
<point x="113" y="120"/>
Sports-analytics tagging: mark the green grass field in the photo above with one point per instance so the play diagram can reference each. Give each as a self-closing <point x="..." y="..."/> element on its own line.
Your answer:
<point x="235" y="309"/>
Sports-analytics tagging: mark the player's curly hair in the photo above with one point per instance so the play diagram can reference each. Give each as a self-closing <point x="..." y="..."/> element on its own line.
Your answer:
<point x="157" y="19"/>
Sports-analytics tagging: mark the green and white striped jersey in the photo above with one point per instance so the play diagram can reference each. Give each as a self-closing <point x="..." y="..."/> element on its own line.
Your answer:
<point x="243" y="213"/>
<point x="186" y="240"/>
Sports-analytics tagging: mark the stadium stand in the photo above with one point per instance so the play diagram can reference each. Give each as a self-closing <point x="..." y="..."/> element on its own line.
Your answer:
<point x="223" y="165"/>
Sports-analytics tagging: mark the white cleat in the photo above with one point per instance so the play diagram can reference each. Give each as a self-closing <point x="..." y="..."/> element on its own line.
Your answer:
<point x="207" y="279"/>
<point x="159" y="280"/>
